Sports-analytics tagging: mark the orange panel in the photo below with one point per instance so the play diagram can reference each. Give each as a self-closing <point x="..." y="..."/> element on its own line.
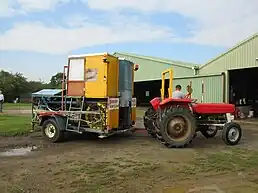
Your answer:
<point x="96" y="87"/>
<point x="134" y="114"/>
<point x="75" y="88"/>
<point x="113" y="119"/>
<point x="112" y="76"/>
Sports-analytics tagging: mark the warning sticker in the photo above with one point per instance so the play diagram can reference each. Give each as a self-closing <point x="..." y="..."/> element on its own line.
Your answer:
<point x="113" y="103"/>
<point x="91" y="74"/>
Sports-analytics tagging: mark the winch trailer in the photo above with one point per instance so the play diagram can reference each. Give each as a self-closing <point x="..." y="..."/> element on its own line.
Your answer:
<point x="97" y="97"/>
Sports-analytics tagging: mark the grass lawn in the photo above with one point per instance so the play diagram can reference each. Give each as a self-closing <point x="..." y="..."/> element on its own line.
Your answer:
<point x="12" y="125"/>
<point x="17" y="106"/>
<point x="104" y="176"/>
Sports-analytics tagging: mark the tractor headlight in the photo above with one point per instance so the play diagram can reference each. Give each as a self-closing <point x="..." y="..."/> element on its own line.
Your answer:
<point x="230" y="117"/>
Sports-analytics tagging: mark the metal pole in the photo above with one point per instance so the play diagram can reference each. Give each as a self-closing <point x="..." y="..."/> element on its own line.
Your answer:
<point x="63" y="87"/>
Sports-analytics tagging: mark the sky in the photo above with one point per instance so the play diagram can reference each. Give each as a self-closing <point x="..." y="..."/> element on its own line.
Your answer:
<point x="36" y="36"/>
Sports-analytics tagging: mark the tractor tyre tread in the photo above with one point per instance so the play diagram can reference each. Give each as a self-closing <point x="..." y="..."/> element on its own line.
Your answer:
<point x="164" y="116"/>
<point x="149" y="123"/>
<point x="226" y="130"/>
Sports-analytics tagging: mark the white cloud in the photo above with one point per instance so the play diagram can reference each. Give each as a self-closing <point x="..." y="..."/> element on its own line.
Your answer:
<point x="13" y="7"/>
<point x="6" y="9"/>
<point x="30" y="5"/>
<point x="218" y="22"/>
<point x="59" y="40"/>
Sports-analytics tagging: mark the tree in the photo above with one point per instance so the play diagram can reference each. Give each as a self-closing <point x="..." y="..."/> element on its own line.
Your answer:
<point x="16" y="85"/>
<point x="56" y="80"/>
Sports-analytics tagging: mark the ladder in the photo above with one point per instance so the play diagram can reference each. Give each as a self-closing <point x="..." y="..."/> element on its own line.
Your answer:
<point x="64" y="86"/>
<point x="80" y="109"/>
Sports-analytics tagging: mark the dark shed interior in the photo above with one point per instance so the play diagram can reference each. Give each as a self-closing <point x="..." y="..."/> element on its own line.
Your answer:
<point x="243" y="89"/>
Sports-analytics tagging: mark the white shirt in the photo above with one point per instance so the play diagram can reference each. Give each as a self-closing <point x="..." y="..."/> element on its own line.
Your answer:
<point x="178" y="95"/>
<point x="1" y="97"/>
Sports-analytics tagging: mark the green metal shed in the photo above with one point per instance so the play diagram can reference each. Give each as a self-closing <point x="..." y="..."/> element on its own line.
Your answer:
<point x="214" y="77"/>
<point x="206" y="88"/>
<point x="151" y="67"/>
<point x="243" y="56"/>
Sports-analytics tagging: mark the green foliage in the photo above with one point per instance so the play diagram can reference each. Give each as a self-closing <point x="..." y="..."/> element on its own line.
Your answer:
<point x="56" y="80"/>
<point x="16" y="85"/>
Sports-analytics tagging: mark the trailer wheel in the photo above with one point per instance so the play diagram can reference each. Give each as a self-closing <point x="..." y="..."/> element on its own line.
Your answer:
<point x="149" y="121"/>
<point x="209" y="131"/>
<point x="177" y="127"/>
<point x="231" y="133"/>
<point x="51" y="131"/>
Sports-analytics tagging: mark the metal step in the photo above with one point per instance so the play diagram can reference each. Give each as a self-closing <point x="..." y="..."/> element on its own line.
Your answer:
<point x="75" y="108"/>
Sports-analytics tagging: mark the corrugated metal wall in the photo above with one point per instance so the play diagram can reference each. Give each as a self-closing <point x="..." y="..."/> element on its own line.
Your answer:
<point x="213" y="87"/>
<point x="151" y="70"/>
<point x="241" y="56"/>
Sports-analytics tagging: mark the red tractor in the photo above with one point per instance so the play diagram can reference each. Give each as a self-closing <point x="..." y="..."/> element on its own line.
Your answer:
<point x="175" y="122"/>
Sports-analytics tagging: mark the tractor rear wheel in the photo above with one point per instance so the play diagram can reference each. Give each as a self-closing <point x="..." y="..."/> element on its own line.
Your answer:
<point x="149" y="121"/>
<point x="177" y="127"/>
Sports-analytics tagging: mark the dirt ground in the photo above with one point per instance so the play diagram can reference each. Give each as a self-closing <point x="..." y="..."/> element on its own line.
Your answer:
<point x="129" y="163"/>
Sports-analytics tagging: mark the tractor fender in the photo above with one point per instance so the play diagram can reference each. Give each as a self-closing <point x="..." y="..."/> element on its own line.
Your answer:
<point x="155" y="103"/>
<point x="177" y="102"/>
<point x="60" y="120"/>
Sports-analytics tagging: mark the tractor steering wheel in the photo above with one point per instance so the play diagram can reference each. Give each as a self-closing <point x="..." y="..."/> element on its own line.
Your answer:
<point x="194" y="100"/>
<point x="187" y="96"/>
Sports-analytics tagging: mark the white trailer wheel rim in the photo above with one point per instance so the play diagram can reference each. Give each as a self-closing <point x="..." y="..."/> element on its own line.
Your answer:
<point x="50" y="131"/>
<point x="233" y="134"/>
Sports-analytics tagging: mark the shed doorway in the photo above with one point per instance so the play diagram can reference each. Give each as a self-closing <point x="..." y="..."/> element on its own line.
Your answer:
<point x="145" y="91"/>
<point x="243" y="89"/>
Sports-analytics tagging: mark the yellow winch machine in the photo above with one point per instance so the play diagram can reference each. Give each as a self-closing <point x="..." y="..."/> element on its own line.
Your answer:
<point x="100" y="87"/>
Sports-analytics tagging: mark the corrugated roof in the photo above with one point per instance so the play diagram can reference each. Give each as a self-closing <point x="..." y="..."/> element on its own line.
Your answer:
<point x="231" y="49"/>
<point x="47" y="92"/>
<point x="167" y="61"/>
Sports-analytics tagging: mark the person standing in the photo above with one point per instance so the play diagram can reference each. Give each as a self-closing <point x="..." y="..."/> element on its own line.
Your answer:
<point x="1" y="101"/>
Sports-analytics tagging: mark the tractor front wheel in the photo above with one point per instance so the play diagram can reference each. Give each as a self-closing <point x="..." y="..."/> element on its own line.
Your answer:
<point x="231" y="133"/>
<point x="177" y="127"/>
<point x="149" y="121"/>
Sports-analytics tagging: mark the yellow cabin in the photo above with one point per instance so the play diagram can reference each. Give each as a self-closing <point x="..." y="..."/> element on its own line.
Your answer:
<point x="93" y="75"/>
<point x="105" y="80"/>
